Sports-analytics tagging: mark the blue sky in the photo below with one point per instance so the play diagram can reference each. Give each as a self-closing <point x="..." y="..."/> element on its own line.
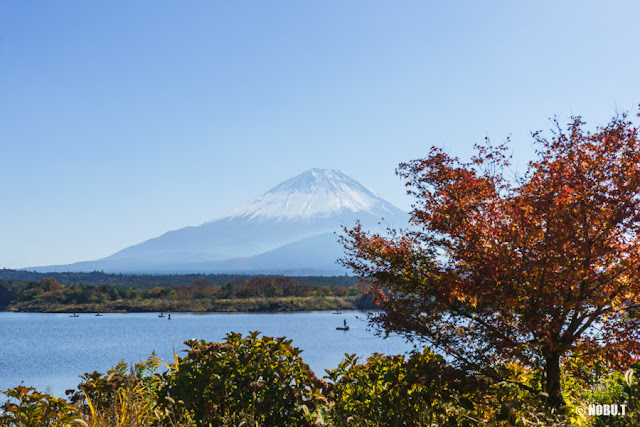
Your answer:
<point x="121" y="120"/>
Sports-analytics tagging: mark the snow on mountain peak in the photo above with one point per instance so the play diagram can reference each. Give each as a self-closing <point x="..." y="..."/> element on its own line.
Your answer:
<point x="316" y="193"/>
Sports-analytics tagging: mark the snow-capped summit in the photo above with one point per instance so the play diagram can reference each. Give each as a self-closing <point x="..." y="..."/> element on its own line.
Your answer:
<point x="287" y="230"/>
<point x="316" y="193"/>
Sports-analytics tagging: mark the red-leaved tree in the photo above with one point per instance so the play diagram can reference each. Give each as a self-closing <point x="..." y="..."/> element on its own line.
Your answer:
<point x="534" y="268"/>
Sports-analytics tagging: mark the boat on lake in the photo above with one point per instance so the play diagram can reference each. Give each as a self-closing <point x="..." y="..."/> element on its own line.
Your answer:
<point x="74" y="315"/>
<point x="343" y="328"/>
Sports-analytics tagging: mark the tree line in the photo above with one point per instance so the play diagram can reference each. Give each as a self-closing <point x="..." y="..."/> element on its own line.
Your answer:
<point x="49" y="292"/>
<point x="163" y="280"/>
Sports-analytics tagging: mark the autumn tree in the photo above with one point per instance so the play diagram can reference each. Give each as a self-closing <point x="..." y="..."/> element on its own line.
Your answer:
<point x="534" y="268"/>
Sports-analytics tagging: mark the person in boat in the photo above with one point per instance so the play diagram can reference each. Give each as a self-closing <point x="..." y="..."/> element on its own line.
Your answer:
<point x="345" y="323"/>
<point x="169" y="316"/>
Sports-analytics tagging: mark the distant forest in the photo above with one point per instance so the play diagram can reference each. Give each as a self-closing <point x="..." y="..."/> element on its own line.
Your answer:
<point x="100" y="292"/>
<point x="148" y="281"/>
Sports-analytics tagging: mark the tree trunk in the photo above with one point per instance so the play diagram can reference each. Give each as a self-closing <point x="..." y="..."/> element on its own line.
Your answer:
<point x="554" y="386"/>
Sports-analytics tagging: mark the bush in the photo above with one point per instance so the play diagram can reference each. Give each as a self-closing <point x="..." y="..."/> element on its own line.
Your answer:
<point x="27" y="407"/>
<point x="255" y="380"/>
<point x="393" y="391"/>
<point x="625" y="390"/>
<point x="251" y="379"/>
<point x="126" y="396"/>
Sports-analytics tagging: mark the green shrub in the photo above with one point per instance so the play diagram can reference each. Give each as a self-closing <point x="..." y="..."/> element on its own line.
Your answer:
<point x="628" y="393"/>
<point x="392" y="390"/>
<point x="26" y="407"/>
<point x="127" y="396"/>
<point x="250" y="379"/>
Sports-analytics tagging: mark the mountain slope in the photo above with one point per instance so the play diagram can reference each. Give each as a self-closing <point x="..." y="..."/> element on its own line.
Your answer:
<point x="316" y="202"/>
<point x="315" y="255"/>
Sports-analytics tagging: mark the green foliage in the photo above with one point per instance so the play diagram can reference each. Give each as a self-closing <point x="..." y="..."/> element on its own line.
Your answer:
<point x="127" y="396"/>
<point x="26" y="407"/>
<point x="7" y="293"/>
<point x="252" y="379"/>
<point x="391" y="390"/>
<point x="258" y="380"/>
<point x="601" y="386"/>
<point x="511" y="396"/>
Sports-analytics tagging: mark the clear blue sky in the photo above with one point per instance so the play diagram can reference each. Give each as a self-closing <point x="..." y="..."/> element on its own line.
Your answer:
<point x="120" y="120"/>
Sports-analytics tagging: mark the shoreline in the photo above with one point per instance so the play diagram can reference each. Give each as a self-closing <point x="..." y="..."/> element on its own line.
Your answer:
<point x="236" y="305"/>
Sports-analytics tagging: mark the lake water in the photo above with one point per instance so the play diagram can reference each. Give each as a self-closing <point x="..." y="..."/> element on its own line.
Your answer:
<point x="52" y="350"/>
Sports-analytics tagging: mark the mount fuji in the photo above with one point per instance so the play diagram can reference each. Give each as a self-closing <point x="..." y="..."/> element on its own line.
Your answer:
<point x="290" y="229"/>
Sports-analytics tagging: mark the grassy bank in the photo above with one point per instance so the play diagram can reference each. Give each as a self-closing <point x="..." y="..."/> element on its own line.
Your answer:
<point x="257" y="304"/>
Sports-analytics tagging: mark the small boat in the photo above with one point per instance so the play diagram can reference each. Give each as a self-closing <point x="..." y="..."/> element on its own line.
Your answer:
<point x="98" y="314"/>
<point x="337" y="312"/>
<point x="74" y="315"/>
<point x="161" y="315"/>
<point x="343" y="328"/>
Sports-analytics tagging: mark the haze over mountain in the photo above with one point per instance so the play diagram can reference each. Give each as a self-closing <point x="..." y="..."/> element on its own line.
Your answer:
<point x="287" y="230"/>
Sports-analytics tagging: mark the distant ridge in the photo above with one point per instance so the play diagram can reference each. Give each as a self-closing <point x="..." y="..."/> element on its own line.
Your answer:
<point x="289" y="229"/>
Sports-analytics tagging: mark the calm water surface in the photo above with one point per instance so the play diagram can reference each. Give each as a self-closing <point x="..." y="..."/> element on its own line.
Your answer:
<point x="52" y="350"/>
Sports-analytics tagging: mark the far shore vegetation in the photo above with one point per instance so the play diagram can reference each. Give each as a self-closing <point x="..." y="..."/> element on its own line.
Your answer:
<point x="189" y="293"/>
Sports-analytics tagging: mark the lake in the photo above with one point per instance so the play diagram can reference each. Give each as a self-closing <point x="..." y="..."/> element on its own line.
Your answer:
<point x="51" y="351"/>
